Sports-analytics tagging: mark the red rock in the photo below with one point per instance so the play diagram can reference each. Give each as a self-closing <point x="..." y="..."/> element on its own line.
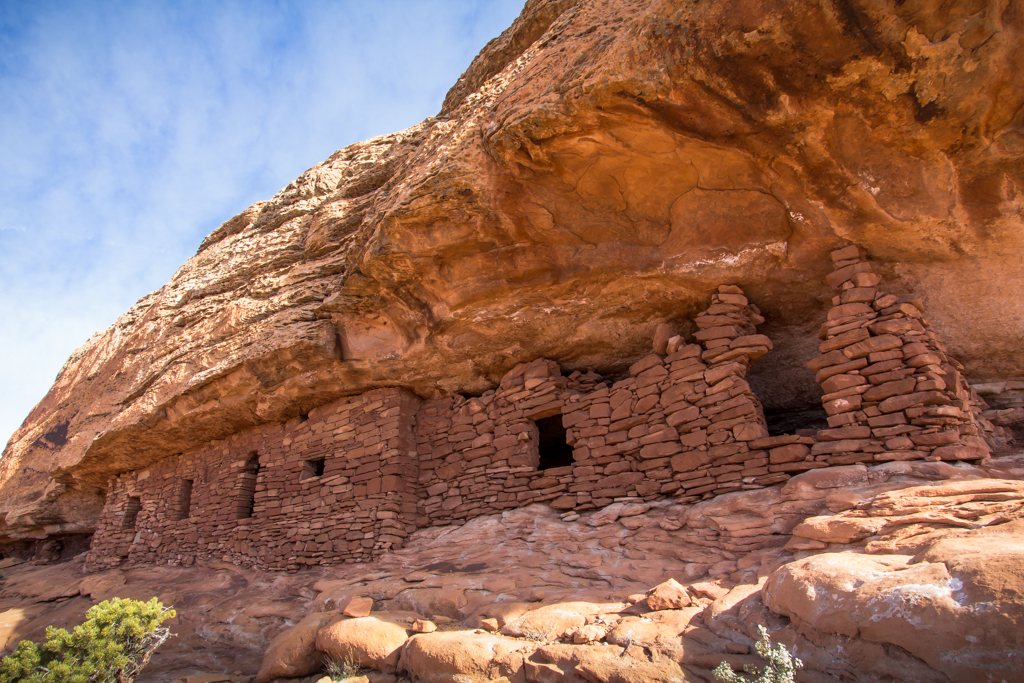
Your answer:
<point x="843" y="405"/>
<point x="442" y="656"/>
<point x="838" y="529"/>
<point x="881" y="392"/>
<point x="423" y="626"/>
<point x="358" y="607"/>
<point x="662" y="334"/>
<point x="792" y="453"/>
<point x="850" y="309"/>
<point x="841" y="381"/>
<point x="841" y="341"/>
<point x="927" y="607"/>
<point x="553" y="622"/>
<point x="849" y="252"/>
<point x="848" y="432"/>
<point x="292" y="654"/>
<point x="668" y="595"/>
<point x="923" y="398"/>
<point x="370" y="642"/>
<point x="838" y="277"/>
<point x="861" y="349"/>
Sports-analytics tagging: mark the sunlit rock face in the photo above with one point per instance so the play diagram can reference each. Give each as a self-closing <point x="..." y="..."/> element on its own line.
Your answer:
<point x="599" y="169"/>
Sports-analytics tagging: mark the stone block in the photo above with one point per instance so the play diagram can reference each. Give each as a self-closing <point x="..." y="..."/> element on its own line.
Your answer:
<point x="837" y="277"/>
<point x="843" y="340"/>
<point x="660" y="450"/>
<point x="358" y="607"/>
<point x="644" y="364"/>
<point x="866" y="347"/>
<point x="924" y="398"/>
<point x="662" y="334"/>
<point x="846" y="253"/>
<point x="841" y="381"/>
<point x="881" y="392"/>
<point x="749" y="431"/>
<point x="690" y="461"/>
<point x="790" y="453"/>
<point x="843" y="405"/>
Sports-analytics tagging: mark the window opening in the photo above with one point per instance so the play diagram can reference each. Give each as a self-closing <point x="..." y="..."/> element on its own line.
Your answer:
<point x="247" y="478"/>
<point x="790" y="397"/>
<point x="806" y="419"/>
<point x="313" y="468"/>
<point x="131" y="513"/>
<point x="185" y="499"/>
<point x="552" y="446"/>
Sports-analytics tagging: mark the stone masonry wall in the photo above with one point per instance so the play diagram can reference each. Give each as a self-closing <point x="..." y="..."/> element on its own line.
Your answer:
<point x="362" y="503"/>
<point x="481" y="455"/>
<point x="358" y="475"/>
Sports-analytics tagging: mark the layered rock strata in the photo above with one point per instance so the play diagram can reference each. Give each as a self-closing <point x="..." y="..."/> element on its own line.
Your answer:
<point x="599" y="169"/>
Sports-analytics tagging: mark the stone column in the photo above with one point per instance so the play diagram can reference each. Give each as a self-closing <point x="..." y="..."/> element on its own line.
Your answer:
<point x="891" y="392"/>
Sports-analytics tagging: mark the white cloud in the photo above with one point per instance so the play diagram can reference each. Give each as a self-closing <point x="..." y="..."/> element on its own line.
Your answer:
<point x="131" y="130"/>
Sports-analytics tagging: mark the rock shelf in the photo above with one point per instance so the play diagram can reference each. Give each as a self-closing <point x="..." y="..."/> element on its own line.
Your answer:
<point x="353" y="478"/>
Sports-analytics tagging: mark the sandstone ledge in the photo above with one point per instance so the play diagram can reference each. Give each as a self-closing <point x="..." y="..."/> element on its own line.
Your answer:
<point x="550" y="587"/>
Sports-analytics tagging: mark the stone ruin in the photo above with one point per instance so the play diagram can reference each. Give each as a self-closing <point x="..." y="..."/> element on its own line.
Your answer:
<point x="353" y="478"/>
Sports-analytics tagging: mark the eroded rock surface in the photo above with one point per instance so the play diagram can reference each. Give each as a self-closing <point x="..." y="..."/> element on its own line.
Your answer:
<point x="597" y="171"/>
<point x="933" y="593"/>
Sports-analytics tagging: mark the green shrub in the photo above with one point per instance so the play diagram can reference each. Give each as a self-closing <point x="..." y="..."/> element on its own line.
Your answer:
<point x="112" y="646"/>
<point x="781" y="668"/>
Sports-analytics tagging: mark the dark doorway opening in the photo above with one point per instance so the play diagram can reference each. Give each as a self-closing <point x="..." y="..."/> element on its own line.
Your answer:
<point x="554" y="451"/>
<point x="185" y="499"/>
<point x="247" y="478"/>
<point x="807" y="419"/>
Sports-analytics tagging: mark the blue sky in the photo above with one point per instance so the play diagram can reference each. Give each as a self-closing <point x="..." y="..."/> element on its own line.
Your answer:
<point x="130" y="130"/>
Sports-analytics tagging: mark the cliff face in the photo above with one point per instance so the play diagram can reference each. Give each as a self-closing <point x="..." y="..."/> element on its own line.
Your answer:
<point x="599" y="169"/>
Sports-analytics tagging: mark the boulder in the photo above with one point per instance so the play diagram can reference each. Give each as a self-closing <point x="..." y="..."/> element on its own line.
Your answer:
<point x="423" y="626"/>
<point x="655" y="629"/>
<point x="293" y="654"/>
<point x="372" y="642"/>
<point x="957" y="606"/>
<point x="463" y="657"/>
<point x="668" y="595"/>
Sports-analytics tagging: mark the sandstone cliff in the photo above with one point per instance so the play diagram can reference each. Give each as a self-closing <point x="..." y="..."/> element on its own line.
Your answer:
<point x="598" y="170"/>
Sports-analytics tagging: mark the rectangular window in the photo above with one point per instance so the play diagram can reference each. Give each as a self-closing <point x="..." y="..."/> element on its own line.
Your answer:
<point x="185" y="499"/>
<point x="313" y="468"/>
<point x="131" y="513"/>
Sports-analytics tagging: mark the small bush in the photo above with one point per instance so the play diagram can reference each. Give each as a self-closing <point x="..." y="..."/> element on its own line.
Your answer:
<point x="340" y="669"/>
<point x="781" y="668"/>
<point x="112" y="646"/>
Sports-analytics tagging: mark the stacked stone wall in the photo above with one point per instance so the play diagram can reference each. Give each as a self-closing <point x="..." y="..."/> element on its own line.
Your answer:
<point x="890" y="390"/>
<point x="359" y="474"/>
<point x="362" y="503"/>
<point x="481" y="455"/>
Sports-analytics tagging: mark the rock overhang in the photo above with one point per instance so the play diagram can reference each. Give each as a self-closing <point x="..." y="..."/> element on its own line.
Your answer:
<point x="596" y="173"/>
